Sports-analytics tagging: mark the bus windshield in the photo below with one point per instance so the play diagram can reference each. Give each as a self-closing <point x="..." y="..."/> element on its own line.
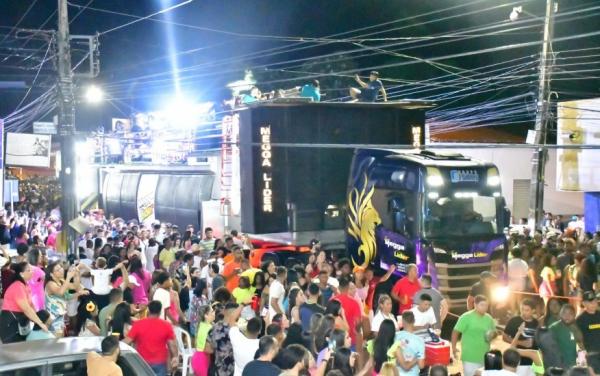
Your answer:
<point x="452" y="216"/>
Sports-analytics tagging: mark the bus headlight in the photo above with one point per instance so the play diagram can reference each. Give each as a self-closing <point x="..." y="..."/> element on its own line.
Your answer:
<point x="493" y="177"/>
<point x="434" y="177"/>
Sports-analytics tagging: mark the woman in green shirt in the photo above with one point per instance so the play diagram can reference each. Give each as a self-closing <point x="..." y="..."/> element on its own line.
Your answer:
<point x="244" y="292"/>
<point x="201" y="358"/>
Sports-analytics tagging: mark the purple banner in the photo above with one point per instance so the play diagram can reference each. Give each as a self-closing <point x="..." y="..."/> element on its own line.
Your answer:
<point x="394" y="249"/>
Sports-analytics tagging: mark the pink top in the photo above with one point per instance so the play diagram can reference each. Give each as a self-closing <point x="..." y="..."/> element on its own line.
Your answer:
<point x="36" y="285"/>
<point x="15" y="292"/>
<point x="139" y="293"/>
<point x="51" y="240"/>
<point x="173" y="307"/>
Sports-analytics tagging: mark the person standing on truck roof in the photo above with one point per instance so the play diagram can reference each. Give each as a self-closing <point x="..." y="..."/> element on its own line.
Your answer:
<point x="311" y="90"/>
<point x="369" y="91"/>
<point x="232" y="270"/>
<point x="405" y="289"/>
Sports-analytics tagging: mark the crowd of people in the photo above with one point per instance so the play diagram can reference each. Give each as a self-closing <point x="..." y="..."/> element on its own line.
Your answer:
<point x="146" y="285"/>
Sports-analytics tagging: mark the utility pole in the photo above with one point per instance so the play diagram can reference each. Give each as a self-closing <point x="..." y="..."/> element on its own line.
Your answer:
<point x="66" y="125"/>
<point x="542" y="118"/>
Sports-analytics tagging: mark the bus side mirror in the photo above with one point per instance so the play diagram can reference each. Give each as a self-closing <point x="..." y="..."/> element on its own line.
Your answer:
<point x="506" y="217"/>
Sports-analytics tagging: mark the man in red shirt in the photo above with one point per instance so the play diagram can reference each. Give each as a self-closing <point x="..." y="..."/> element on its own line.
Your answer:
<point x="350" y="306"/>
<point x="154" y="339"/>
<point x="405" y="289"/>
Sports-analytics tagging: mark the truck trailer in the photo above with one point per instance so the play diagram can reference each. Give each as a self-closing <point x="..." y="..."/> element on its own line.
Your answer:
<point x="290" y="172"/>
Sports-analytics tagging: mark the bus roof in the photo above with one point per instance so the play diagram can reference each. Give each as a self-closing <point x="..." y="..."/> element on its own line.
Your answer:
<point x="430" y="158"/>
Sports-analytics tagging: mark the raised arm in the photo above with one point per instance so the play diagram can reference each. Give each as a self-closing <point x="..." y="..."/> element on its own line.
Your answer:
<point x="388" y="274"/>
<point x="360" y="82"/>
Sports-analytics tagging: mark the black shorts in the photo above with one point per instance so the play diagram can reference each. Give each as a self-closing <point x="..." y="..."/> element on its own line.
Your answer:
<point x="367" y="95"/>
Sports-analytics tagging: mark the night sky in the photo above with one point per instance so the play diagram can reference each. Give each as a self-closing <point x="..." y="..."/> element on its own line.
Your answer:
<point x="136" y="68"/>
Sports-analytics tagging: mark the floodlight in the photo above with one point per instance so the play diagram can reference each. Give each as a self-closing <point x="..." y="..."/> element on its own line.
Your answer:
<point x="94" y="94"/>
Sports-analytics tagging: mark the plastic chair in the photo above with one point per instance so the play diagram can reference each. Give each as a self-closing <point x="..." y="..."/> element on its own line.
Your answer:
<point x="186" y="351"/>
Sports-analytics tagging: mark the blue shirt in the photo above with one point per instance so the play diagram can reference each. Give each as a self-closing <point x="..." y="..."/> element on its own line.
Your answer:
<point x="370" y="93"/>
<point x="39" y="334"/>
<point x="413" y="347"/>
<point x="309" y="91"/>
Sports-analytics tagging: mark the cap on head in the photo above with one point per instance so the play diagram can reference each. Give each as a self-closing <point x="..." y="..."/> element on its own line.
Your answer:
<point x="589" y="296"/>
<point x="374" y="73"/>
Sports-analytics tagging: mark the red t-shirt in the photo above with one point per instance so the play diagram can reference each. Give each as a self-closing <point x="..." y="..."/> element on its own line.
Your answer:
<point x="151" y="336"/>
<point x="353" y="313"/>
<point x="404" y="287"/>
<point x="371" y="292"/>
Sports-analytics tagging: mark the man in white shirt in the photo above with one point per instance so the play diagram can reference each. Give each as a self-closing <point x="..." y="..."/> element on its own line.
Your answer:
<point x="510" y="363"/>
<point x="424" y="315"/>
<point x="150" y="252"/>
<point x="101" y="279"/>
<point x="517" y="275"/>
<point x="163" y="295"/>
<point x="245" y="344"/>
<point x="277" y="293"/>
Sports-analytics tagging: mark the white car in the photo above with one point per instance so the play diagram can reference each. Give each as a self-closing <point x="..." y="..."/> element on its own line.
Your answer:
<point x="63" y="357"/>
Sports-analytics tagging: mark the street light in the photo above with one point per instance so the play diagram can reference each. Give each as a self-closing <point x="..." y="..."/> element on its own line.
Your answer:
<point x="94" y="94"/>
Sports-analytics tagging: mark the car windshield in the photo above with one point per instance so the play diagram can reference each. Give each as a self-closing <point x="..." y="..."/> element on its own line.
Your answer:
<point x="447" y="217"/>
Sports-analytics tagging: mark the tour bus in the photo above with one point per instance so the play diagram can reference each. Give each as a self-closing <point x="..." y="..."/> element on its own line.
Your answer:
<point x="443" y="212"/>
<point x="287" y="173"/>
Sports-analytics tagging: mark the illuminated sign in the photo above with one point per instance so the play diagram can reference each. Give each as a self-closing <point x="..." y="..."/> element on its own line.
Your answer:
<point x="416" y="131"/>
<point x="266" y="164"/>
<point x="468" y="256"/>
<point x="457" y="176"/>
<point x="398" y="249"/>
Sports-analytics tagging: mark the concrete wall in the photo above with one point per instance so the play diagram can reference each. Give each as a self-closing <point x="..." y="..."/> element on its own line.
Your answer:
<point x="516" y="164"/>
